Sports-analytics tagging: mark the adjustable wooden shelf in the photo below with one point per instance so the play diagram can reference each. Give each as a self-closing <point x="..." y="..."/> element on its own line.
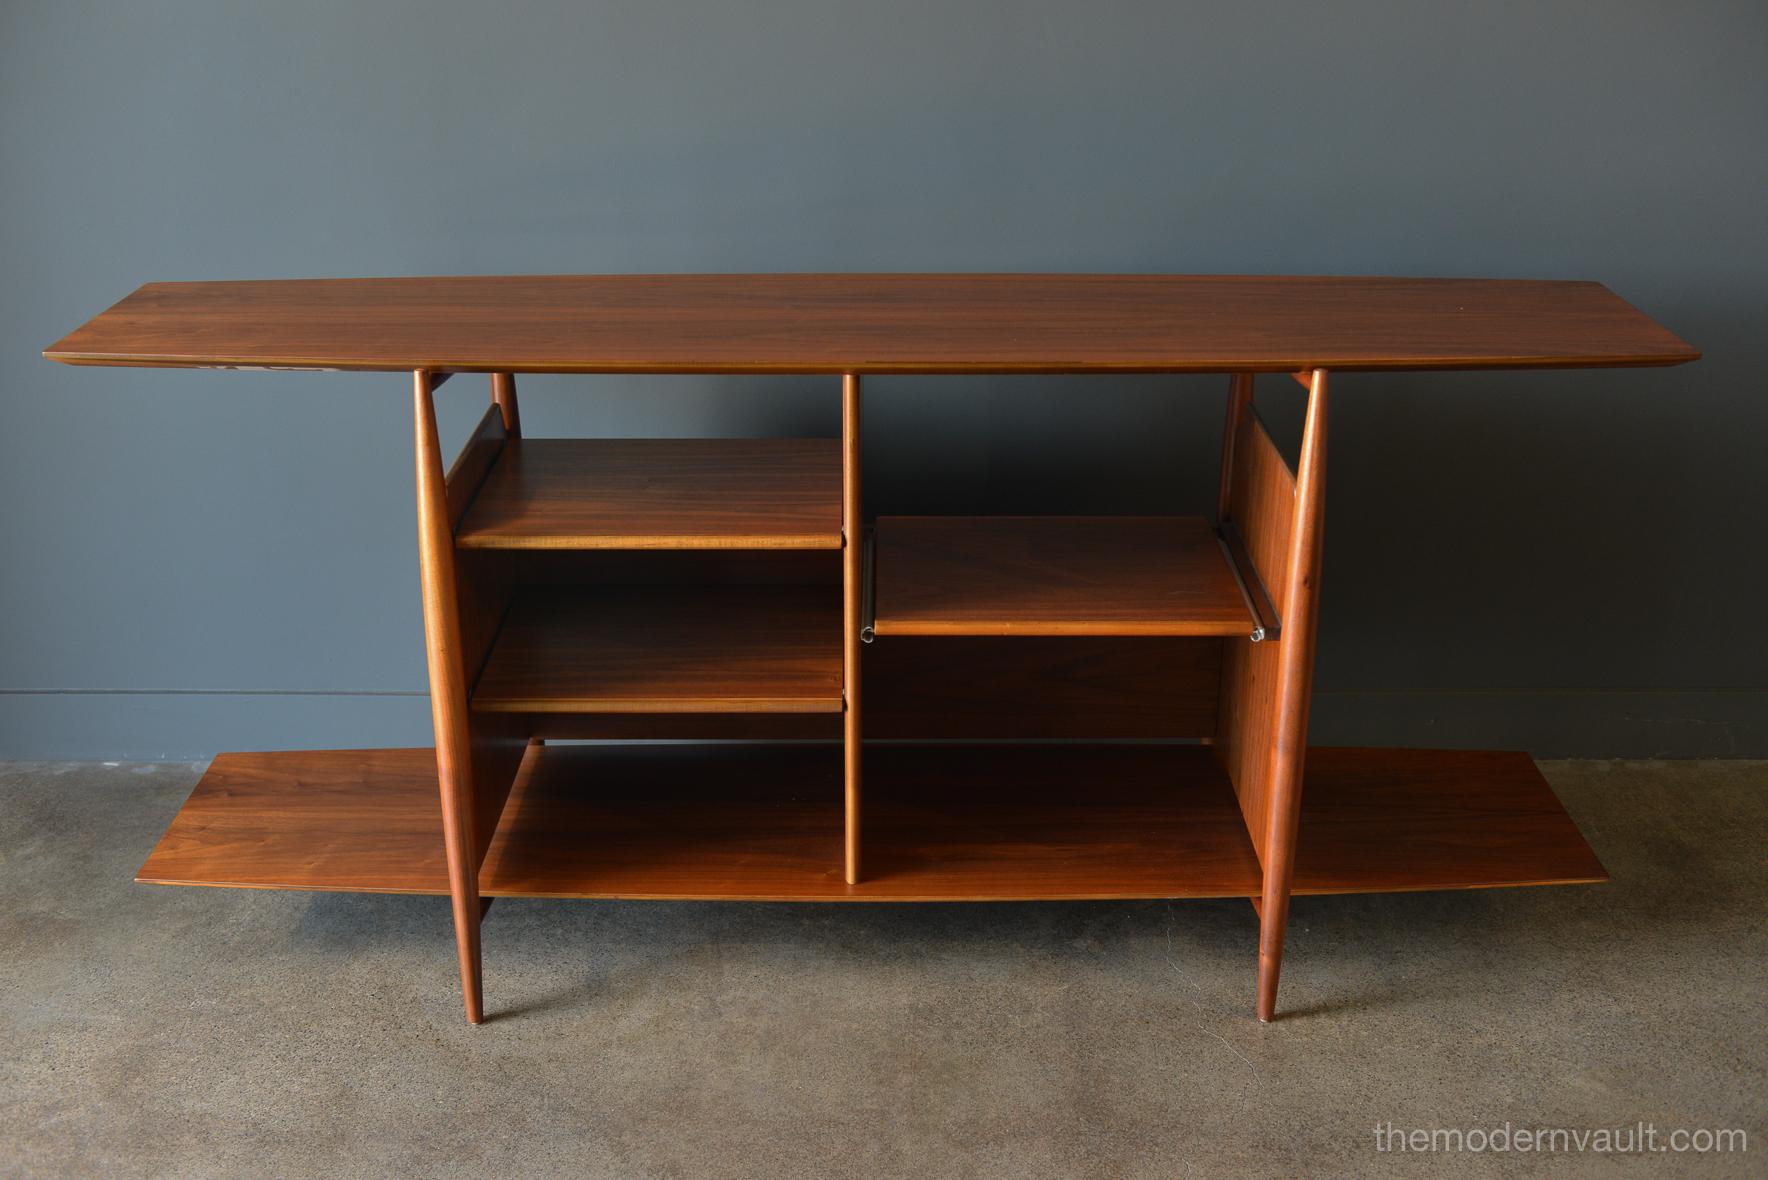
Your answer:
<point x="643" y="590"/>
<point x="1056" y="575"/>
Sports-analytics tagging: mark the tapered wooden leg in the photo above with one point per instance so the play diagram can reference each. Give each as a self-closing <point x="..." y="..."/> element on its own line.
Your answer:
<point x="448" y="694"/>
<point x="1273" y="924"/>
<point x="852" y="573"/>
<point x="467" y="916"/>
<point x="1295" y="665"/>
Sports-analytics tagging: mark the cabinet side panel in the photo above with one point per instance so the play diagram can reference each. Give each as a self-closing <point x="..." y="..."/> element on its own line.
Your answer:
<point x="483" y="586"/>
<point x="1260" y="504"/>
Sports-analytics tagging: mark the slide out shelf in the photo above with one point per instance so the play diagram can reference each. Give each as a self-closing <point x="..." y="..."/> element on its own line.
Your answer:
<point x="1056" y="575"/>
<point x="942" y="823"/>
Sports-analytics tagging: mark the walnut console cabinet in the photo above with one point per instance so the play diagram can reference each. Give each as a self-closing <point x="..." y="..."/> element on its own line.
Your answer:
<point x="871" y="703"/>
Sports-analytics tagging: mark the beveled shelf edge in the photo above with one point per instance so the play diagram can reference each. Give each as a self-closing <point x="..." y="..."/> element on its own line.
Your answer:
<point x="860" y="893"/>
<point x="1523" y="883"/>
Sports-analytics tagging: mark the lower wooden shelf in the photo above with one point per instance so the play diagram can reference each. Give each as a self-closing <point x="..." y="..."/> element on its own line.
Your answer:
<point x="942" y="823"/>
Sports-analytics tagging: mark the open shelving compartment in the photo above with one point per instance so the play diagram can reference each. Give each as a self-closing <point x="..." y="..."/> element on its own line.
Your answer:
<point x="1053" y="708"/>
<point x="1115" y="576"/>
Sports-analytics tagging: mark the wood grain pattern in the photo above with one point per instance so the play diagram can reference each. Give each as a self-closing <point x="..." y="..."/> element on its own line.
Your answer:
<point x="1252" y="587"/>
<point x="477" y="458"/>
<point x="482" y="593"/>
<point x="567" y="568"/>
<point x="673" y="727"/>
<point x="1052" y="822"/>
<point x="1054" y="575"/>
<point x="1261" y="503"/>
<point x="486" y="590"/>
<point x="1240" y="387"/>
<point x="1243" y="731"/>
<point x="356" y="820"/>
<point x="584" y="493"/>
<point x="1034" y="687"/>
<point x="1258" y="513"/>
<point x="1394" y="821"/>
<point x="878" y="323"/>
<point x="943" y="823"/>
<point x="952" y="689"/>
<point x="674" y="649"/>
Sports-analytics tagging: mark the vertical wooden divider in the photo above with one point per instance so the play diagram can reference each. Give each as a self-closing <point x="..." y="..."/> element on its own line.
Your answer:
<point x="476" y="763"/>
<point x="1276" y="518"/>
<point x="852" y="585"/>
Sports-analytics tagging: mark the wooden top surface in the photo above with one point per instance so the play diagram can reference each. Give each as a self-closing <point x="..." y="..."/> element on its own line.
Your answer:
<point x="877" y="323"/>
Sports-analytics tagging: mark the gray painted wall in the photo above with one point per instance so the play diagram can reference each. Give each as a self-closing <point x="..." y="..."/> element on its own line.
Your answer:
<point x="1572" y="563"/>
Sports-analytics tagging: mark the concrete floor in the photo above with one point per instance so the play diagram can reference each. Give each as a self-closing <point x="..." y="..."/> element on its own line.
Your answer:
<point x="151" y="1031"/>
